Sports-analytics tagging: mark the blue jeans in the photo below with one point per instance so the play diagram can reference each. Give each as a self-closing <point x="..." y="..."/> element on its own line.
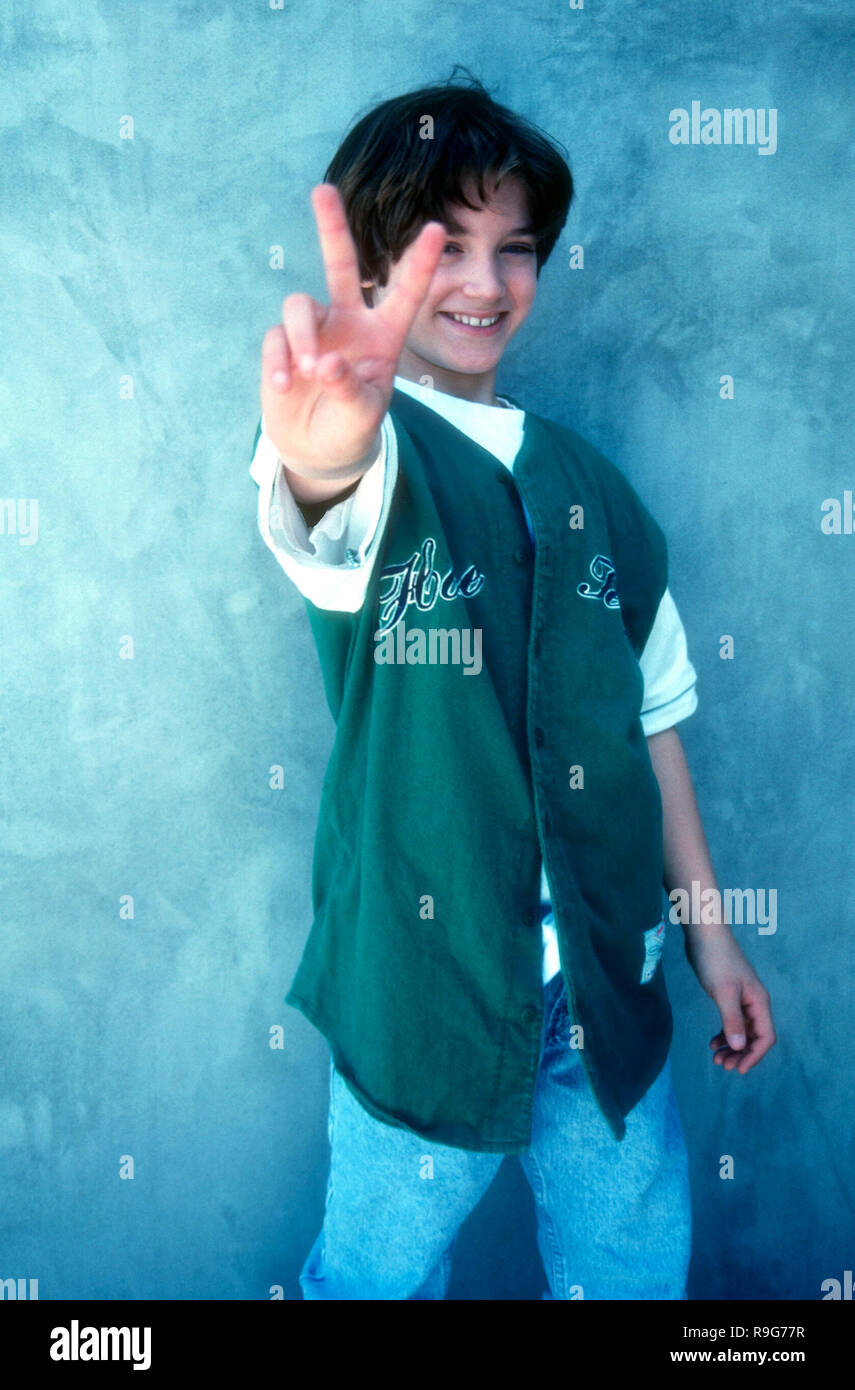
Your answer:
<point x="613" y="1217"/>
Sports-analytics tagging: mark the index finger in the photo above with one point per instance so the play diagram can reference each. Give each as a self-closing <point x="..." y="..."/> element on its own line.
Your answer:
<point x="341" y="265"/>
<point x="409" y="282"/>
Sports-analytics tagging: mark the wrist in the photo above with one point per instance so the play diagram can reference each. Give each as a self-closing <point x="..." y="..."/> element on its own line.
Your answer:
<point x="327" y="485"/>
<point x="312" y="512"/>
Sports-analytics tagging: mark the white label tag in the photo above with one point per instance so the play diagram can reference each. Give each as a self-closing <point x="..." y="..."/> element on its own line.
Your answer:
<point x="654" y="941"/>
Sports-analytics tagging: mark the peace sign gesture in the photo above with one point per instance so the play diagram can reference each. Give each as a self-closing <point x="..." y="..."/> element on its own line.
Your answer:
<point x="327" y="371"/>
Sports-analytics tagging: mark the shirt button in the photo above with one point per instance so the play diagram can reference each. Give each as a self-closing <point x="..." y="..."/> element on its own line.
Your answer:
<point x="520" y="555"/>
<point x="528" y="1014"/>
<point x="539" y="737"/>
<point x="352" y="557"/>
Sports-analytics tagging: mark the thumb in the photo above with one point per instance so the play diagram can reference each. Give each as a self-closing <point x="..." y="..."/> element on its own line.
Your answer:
<point x="732" y="1022"/>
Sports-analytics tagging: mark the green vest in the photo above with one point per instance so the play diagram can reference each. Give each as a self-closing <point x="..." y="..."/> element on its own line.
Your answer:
<point x="446" y="785"/>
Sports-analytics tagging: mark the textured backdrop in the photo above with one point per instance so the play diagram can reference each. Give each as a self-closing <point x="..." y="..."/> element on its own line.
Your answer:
<point x="157" y="664"/>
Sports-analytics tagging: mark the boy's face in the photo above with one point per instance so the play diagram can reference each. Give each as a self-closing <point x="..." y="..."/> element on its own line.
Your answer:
<point x="487" y="271"/>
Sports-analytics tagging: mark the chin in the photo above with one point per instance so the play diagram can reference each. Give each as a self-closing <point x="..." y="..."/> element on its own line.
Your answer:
<point x="472" y="361"/>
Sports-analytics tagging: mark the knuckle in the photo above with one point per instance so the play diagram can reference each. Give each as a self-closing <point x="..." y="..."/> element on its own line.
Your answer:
<point x="298" y="302"/>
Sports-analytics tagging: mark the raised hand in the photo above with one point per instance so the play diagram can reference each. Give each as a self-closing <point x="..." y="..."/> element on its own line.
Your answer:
<point x="327" y="371"/>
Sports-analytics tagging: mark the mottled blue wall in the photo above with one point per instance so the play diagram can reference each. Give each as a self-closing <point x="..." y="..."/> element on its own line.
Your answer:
<point x="147" y="259"/>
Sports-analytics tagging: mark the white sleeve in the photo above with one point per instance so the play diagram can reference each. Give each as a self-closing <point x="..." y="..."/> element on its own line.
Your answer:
<point x="330" y="564"/>
<point x="669" y="676"/>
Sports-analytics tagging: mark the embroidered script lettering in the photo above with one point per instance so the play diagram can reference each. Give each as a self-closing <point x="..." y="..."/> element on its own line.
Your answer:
<point x="416" y="581"/>
<point x="603" y="571"/>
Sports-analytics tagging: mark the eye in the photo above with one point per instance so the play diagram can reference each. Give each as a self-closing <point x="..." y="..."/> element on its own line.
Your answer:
<point x="517" y="248"/>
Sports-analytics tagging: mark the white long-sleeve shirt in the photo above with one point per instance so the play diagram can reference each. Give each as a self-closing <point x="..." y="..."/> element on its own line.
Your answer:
<point x="331" y="562"/>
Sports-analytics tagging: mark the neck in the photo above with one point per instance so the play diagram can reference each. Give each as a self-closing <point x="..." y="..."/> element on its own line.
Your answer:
<point x="478" y="387"/>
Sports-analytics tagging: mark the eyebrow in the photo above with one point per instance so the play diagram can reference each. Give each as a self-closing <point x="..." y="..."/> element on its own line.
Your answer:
<point x="454" y="226"/>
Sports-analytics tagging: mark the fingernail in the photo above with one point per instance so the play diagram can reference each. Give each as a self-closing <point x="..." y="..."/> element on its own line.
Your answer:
<point x="307" y="362"/>
<point x="280" y="379"/>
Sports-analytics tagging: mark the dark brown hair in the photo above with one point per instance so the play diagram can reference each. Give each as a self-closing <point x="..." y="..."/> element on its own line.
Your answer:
<point x="392" y="180"/>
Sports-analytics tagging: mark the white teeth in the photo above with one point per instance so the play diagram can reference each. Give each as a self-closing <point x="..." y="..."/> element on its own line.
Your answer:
<point x="473" y="322"/>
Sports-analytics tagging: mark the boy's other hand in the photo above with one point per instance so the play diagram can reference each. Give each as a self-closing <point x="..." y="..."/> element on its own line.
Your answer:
<point x="327" y="371"/>
<point x="727" y="977"/>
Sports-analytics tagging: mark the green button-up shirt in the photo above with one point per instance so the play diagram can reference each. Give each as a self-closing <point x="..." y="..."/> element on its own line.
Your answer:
<point x="446" y="785"/>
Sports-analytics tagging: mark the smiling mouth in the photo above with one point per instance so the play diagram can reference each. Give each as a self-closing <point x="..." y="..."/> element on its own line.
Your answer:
<point x="476" y="321"/>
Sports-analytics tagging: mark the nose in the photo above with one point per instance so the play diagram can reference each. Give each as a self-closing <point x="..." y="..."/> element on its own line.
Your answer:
<point x="482" y="279"/>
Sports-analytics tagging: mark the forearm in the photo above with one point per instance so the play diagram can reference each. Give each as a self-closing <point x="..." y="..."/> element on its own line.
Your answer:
<point x="712" y="951"/>
<point x="685" y="851"/>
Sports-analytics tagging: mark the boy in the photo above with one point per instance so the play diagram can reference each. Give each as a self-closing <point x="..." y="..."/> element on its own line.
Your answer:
<point x="490" y="852"/>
